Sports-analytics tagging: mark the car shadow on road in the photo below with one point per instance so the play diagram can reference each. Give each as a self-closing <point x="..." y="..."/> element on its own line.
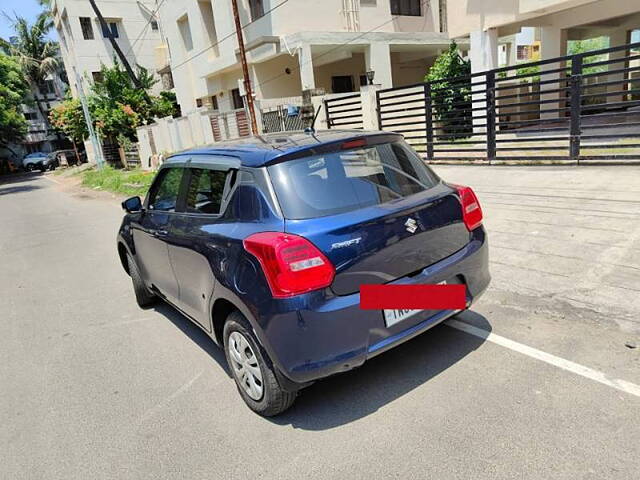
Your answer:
<point x="349" y="396"/>
<point x="353" y="395"/>
<point x="17" y="189"/>
<point x="195" y="333"/>
<point x="20" y="177"/>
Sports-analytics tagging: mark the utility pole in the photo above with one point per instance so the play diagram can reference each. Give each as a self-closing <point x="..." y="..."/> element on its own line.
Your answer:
<point x="245" y="69"/>
<point x="114" y="44"/>
<point x="95" y="143"/>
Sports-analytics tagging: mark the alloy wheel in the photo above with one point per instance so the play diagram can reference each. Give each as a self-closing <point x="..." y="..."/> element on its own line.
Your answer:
<point x="245" y="365"/>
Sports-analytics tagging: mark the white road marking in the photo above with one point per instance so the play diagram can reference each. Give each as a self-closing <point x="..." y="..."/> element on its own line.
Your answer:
<point x="158" y="407"/>
<point x="567" y="365"/>
<point x="52" y="179"/>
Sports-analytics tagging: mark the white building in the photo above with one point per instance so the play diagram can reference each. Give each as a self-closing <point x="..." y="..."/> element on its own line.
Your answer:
<point x="85" y="46"/>
<point x="294" y="45"/>
<point x="40" y="136"/>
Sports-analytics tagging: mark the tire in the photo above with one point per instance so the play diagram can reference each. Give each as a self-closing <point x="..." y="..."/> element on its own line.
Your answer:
<point x="29" y="167"/>
<point x="144" y="297"/>
<point x="272" y="400"/>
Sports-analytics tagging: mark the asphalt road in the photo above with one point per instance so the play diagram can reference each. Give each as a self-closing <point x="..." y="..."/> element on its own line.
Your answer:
<point x="93" y="387"/>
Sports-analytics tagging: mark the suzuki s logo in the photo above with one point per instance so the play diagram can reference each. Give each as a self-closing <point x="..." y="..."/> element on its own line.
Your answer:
<point x="411" y="225"/>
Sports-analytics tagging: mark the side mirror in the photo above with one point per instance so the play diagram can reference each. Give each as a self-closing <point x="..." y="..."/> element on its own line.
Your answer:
<point x="131" y="205"/>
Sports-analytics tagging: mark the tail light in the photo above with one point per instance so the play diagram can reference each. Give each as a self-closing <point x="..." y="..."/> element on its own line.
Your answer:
<point x="471" y="211"/>
<point x="292" y="264"/>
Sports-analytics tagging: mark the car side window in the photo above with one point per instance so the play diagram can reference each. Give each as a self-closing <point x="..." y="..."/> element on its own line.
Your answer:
<point x="164" y="196"/>
<point x="206" y="187"/>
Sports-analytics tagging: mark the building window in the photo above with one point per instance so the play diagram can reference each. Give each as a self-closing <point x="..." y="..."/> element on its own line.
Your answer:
<point x="341" y="84"/>
<point x="206" y="11"/>
<point x="97" y="77"/>
<point x="47" y="88"/>
<point x="185" y="33"/>
<point x="528" y="52"/>
<point x="238" y="101"/>
<point x="442" y="6"/>
<point x="410" y="8"/>
<point x="167" y="80"/>
<point x="31" y="115"/>
<point x="110" y="26"/>
<point x="214" y="102"/>
<point x="257" y="9"/>
<point x="87" y="28"/>
<point x="154" y="25"/>
<point x="198" y="102"/>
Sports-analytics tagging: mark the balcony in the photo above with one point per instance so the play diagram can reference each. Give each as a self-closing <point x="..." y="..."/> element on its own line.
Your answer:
<point x="549" y="6"/>
<point x="162" y="57"/>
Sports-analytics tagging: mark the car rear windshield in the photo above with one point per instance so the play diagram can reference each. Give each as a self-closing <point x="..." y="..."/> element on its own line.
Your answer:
<point x="344" y="181"/>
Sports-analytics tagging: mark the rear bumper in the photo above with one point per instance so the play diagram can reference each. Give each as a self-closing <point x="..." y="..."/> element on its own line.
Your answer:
<point x="330" y="334"/>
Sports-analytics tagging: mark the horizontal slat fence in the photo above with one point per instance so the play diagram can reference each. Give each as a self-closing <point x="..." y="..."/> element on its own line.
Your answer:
<point x="578" y="107"/>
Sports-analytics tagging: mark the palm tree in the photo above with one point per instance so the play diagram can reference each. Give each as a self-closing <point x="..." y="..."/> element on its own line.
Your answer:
<point x="37" y="56"/>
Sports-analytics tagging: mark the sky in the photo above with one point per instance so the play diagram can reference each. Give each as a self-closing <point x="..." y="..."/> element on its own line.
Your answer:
<point x="25" y="8"/>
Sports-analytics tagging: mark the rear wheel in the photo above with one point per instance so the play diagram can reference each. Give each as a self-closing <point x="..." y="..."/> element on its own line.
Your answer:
<point x="251" y="370"/>
<point x="143" y="296"/>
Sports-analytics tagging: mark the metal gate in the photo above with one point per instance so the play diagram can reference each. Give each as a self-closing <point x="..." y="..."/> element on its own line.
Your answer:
<point x="281" y="119"/>
<point x="579" y="107"/>
<point x="344" y="111"/>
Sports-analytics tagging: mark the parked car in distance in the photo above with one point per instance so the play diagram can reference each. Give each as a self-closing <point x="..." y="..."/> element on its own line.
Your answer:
<point x="264" y="243"/>
<point x="39" y="161"/>
<point x="70" y="156"/>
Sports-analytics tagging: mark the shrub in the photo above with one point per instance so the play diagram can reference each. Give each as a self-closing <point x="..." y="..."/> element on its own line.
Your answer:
<point x="451" y="95"/>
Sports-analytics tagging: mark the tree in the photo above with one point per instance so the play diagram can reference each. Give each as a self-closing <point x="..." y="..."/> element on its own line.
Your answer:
<point x="13" y="93"/>
<point x="37" y="56"/>
<point x="68" y="118"/>
<point x="451" y="98"/>
<point x="575" y="47"/>
<point x="119" y="107"/>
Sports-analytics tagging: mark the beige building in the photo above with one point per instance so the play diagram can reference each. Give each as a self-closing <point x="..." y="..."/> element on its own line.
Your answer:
<point x="84" y="45"/>
<point x="294" y="45"/>
<point x="488" y="23"/>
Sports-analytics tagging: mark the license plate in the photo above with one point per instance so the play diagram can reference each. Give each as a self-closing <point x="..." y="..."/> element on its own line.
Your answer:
<point x="391" y="317"/>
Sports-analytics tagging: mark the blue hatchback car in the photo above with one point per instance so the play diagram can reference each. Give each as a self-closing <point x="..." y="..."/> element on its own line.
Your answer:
<point x="264" y="243"/>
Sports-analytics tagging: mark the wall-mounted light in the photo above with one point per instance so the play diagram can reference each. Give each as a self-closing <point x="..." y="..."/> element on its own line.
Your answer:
<point x="370" y="75"/>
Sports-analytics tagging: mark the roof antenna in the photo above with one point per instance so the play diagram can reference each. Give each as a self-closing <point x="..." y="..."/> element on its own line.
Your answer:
<point x="311" y="128"/>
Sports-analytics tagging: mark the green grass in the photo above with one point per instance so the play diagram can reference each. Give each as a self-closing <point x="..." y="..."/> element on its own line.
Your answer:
<point x="126" y="182"/>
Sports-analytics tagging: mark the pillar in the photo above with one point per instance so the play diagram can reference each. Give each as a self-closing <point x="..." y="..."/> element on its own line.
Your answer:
<point x="306" y="67"/>
<point x="369" y="106"/>
<point x="553" y="43"/>
<point x="617" y="37"/>
<point x="483" y="50"/>
<point x="378" y="59"/>
<point x="483" y="53"/>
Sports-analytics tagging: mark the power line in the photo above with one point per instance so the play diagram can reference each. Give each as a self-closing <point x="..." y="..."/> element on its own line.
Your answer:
<point x="144" y="30"/>
<point x="334" y="49"/>
<point x="175" y="67"/>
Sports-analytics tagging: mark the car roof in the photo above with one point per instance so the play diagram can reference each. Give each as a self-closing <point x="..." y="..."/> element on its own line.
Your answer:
<point x="261" y="150"/>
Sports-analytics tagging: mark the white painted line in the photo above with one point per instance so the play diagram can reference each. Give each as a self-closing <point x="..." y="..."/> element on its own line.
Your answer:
<point x="52" y="179"/>
<point x="159" y="406"/>
<point x="567" y="365"/>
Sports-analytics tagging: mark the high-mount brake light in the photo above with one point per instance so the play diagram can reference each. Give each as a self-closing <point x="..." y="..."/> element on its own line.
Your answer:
<point x="358" y="142"/>
<point x="471" y="210"/>
<point x="291" y="264"/>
